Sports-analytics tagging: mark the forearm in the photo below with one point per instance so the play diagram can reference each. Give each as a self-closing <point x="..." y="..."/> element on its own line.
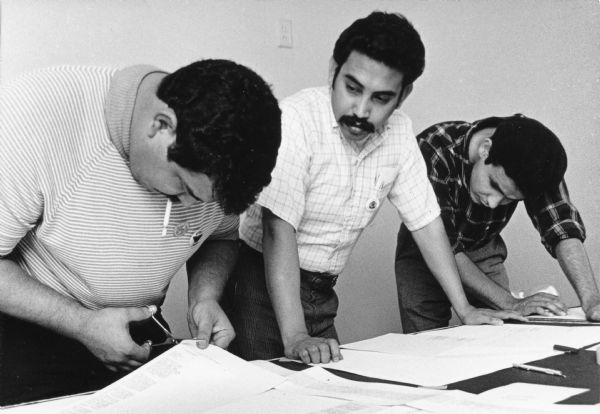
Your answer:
<point x="209" y="268"/>
<point x="437" y="253"/>
<point x="282" y="273"/>
<point x="25" y="298"/>
<point x="478" y="284"/>
<point x="574" y="261"/>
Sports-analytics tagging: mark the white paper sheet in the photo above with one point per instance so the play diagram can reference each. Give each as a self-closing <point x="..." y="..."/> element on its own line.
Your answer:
<point x="185" y="379"/>
<point x="449" y="355"/>
<point x="44" y="406"/>
<point x="576" y="314"/>
<point x="519" y="336"/>
<point x="479" y="339"/>
<point x="458" y="402"/>
<point x="319" y="382"/>
<point x="417" y="345"/>
<point x="522" y="392"/>
<point x="276" y="401"/>
<point x="432" y="371"/>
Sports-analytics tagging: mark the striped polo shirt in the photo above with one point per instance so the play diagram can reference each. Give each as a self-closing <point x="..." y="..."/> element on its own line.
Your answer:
<point x="72" y="215"/>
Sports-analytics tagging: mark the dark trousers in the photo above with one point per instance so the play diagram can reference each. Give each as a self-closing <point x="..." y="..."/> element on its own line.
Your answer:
<point x="37" y="363"/>
<point x="423" y="303"/>
<point x="248" y="306"/>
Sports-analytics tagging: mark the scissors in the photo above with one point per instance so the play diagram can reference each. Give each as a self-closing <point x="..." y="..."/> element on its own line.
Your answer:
<point x="169" y="340"/>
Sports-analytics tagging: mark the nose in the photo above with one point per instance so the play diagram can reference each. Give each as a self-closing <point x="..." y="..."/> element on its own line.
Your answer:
<point x="187" y="200"/>
<point x="362" y="107"/>
<point x="494" y="200"/>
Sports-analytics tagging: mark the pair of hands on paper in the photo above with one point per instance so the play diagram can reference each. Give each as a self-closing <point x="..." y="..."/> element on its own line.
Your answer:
<point x="323" y="350"/>
<point x="314" y="350"/>
<point x="106" y="332"/>
<point x="481" y="316"/>
<point x="540" y="303"/>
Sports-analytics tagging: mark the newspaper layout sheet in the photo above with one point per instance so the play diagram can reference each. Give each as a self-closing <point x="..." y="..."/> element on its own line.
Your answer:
<point x="449" y="355"/>
<point x="317" y="381"/>
<point x="185" y="379"/>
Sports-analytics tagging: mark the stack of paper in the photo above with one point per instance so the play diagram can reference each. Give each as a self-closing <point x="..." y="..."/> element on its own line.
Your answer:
<point x="445" y="356"/>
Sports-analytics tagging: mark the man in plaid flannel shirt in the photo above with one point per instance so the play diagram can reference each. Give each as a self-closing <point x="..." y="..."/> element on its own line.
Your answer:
<point x="479" y="172"/>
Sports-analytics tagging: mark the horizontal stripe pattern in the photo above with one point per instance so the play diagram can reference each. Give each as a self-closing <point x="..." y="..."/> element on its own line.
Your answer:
<point x="72" y="215"/>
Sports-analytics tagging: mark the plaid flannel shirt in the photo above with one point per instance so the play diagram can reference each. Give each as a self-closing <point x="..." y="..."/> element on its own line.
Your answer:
<point x="469" y="225"/>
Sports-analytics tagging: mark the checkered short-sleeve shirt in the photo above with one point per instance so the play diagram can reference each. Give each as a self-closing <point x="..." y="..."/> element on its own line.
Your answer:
<point x="329" y="193"/>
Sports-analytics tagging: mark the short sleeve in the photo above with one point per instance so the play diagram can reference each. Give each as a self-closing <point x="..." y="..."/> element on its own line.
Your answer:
<point x="286" y="194"/>
<point x="21" y="201"/>
<point x="411" y="193"/>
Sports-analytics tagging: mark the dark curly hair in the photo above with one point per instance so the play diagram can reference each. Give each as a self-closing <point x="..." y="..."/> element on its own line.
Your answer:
<point x="388" y="38"/>
<point x="529" y="152"/>
<point x="228" y="127"/>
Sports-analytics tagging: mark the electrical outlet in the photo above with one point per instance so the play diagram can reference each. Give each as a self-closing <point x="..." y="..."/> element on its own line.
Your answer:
<point x="285" y="33"/>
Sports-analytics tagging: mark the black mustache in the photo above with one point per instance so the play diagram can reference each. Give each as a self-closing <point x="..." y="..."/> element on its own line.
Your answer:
<point x="354" y="121"/>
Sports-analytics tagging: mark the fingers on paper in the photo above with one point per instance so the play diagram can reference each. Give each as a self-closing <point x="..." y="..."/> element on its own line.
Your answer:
<point x="543" y="304"/>
<point x="319" y="351"/>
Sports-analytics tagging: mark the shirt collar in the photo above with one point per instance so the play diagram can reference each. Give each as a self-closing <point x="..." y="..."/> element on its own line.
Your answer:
<point x="120" y="103"/>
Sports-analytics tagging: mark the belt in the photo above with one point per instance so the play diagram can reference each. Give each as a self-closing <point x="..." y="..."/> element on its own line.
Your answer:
<point x="318" y="280"/>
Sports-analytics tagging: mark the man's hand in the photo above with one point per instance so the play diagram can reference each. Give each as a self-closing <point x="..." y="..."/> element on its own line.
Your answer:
<point x="540" y="303"/>
<point x="209" y="324"/>
<point x="592" y="312"/>
<point x="106" y="334"/>
<point x="313" y="350"/>
<point x="475" y="316"/>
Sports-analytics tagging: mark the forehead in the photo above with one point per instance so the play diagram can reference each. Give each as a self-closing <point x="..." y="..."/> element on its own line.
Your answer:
<point x="506" y="184"/>
<point x="370" y="73"/>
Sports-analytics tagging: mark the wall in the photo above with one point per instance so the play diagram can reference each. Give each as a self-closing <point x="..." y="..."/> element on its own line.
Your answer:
<point x="541" y="58"/>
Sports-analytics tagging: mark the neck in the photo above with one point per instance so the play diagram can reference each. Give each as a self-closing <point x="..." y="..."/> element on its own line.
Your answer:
<point x="358" y="146"/>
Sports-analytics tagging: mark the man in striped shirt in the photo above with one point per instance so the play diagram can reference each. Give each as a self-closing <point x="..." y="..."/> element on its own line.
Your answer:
<point x="344" y="150"/>
<point x="479" y="172"/>
<point x="110" y="181"/>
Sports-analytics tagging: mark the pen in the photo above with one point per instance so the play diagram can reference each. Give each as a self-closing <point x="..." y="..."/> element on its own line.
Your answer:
<point x="540" y="370"/>
<point x="571" y="350"/>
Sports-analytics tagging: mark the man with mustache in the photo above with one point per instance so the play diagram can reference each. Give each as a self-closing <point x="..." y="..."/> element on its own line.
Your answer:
<point x="344" y="150"/>
<point x="480" y="171"/>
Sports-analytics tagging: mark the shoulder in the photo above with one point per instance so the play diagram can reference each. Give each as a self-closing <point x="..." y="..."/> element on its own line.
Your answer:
<point x="57" y="77"/>
<point x="54" y="106"/>
<point x="56" y="91"/>
<point x="444" y="133"/>
<point x="307" y="102"/>
<point x="400" y="123"/>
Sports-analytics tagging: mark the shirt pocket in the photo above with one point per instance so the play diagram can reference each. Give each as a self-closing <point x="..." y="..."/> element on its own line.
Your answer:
<point x="382" y="185"/>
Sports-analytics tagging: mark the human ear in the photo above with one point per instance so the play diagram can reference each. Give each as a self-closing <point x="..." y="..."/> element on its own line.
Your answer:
<point x="332" y="68"/>
<point x="164" y="121"/>
<point x="484" y="148"/>
<point x="406" y="90"/>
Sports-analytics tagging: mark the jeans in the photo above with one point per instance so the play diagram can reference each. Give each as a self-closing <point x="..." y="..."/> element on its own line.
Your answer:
<point x="422" y="301"/>
<point x="248" y="306"/>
